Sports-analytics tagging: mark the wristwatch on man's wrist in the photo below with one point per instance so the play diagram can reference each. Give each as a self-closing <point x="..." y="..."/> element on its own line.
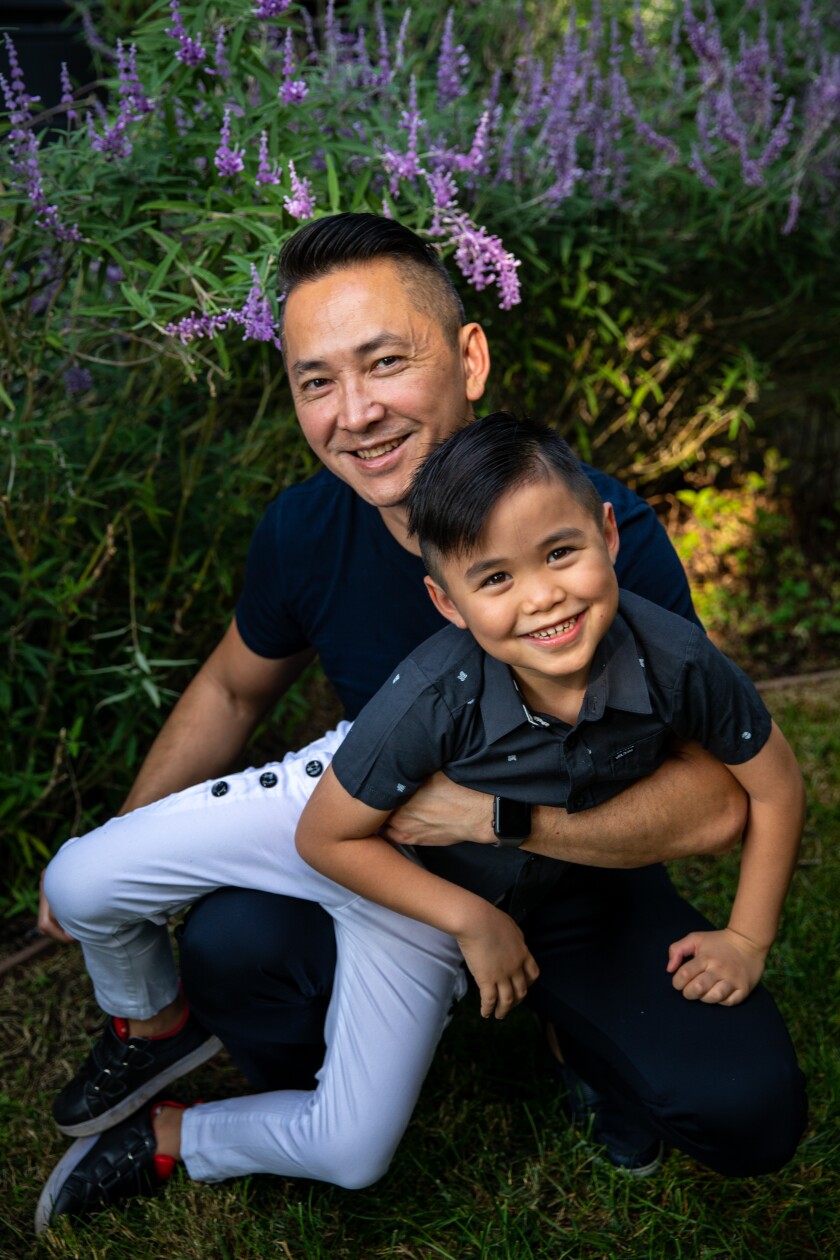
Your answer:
<point x="511" y="822"/>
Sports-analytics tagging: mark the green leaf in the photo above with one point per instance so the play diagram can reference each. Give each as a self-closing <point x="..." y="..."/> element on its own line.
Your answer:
<point x="332" y="184"/>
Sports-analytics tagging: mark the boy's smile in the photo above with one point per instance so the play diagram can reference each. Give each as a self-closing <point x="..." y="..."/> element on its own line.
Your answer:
<point x="538" y="591"/>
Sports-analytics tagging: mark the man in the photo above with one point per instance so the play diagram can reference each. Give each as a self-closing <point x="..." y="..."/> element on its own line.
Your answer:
<point x="380" y="361"/>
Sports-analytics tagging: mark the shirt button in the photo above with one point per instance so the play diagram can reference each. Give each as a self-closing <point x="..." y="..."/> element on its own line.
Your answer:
<point x="220" y="789"/>
<point x="268" y="779"/>
<point x="314" y="769"/>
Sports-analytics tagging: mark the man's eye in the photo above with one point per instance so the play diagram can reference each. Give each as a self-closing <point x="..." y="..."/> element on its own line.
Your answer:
<point x="495" y="579"/>
<point x="317" y="382"/>
<point x="388" y="360"/>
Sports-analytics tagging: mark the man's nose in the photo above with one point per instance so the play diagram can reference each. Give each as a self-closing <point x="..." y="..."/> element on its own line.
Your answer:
<point x="359" y="408"/>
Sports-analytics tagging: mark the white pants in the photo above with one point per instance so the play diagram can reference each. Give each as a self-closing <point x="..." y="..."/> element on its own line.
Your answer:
<point x="395" y="980"/>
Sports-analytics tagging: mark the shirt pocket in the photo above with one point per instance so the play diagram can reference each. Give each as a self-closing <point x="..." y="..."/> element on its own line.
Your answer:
<point x="636" y="758"/>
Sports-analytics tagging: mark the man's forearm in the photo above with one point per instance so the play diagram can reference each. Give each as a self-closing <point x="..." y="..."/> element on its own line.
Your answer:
<point x="690" y="805"/>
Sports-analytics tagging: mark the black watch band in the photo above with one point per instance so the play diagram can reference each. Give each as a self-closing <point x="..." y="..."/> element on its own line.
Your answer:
<point x="511" y="822"/>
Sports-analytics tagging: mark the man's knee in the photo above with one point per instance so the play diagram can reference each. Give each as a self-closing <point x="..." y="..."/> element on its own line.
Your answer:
<point x="746" y="1125"/>
<point x="82" y="892"/>
<point x="257" y="942"/>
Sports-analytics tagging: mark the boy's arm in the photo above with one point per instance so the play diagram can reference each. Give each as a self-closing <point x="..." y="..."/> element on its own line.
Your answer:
<point x="336" y="836"/>
<point x="725" y="966"/>
<point x="690" y="805"/>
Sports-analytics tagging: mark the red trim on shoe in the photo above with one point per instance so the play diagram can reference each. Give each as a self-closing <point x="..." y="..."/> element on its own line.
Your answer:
<point x="172" y="1031"/>
<point x="120" y="1027"/>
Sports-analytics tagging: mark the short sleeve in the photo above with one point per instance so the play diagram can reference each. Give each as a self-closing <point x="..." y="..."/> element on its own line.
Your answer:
<point x="263" y="618"/>
<point x="401" y="737"/>
<point x="719" y="707"/>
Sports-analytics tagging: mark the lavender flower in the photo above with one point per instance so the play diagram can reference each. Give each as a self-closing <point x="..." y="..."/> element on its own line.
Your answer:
<point x="399" y="50"/>
<point x="639" y="40"/>
<point x="197" y="326"/>
<point x="191" y="52"/>
<point x="256" y="316"/>
<point x="267" y="172"/>
<point x="228" y="161"/>
<point x="133" y="99"/>
<point x="383" y="74"/>
<point x="480" y="256"/>
<point x="793" y="212"/>
<point x="405" y="165"/>
<point x="697" y="166"/>
<point x="301" y="203"/>
<point x="92" y="38"/>
<point x="778" y="137"/>
<point x="67" y="96"/>
<point x="291" y="91"/>
<point x="265" y="10"/>
<point x="220" y="61"/>
<point x="453" y="63"/>
<point x="77" y="380"/>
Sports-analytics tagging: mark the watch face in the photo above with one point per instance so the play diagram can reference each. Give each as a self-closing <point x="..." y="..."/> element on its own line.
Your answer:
<point x="511" y="819"/>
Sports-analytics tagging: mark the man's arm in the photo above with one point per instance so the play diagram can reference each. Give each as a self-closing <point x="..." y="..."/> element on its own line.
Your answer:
<point x="690" y="805"/>
<point x="214" y="718"/>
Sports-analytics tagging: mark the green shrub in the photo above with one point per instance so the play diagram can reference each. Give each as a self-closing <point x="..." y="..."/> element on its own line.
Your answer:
<point x="655" y="187"/>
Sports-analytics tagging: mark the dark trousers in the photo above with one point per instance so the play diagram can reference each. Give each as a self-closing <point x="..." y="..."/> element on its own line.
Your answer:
<point x="720" y="1083"/>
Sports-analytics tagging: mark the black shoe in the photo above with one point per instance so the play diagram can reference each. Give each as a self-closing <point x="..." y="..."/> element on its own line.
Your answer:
<point x="122" y="1073"/>
<point x="627" y="1144"/>
<point x="98" y="1171"/>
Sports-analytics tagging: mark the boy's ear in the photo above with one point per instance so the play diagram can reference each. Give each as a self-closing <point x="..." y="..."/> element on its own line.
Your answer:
<point x="611" y="532"/>
<point x="443" y="603"/>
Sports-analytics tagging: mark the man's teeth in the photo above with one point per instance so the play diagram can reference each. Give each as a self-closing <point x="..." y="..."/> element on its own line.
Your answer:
<point x="373" y="452"/>
<point x="563" y="628"/>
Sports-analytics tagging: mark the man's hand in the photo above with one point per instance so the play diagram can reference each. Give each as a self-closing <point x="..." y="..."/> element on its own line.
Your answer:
<point x="442" y="812"/>
<point x="48" y="924"/>
<point x="494" y="949"/>
<point x="716" y="967"/>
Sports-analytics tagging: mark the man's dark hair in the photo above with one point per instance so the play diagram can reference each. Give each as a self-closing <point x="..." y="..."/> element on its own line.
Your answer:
<point x="462" y="480"/>
<point x="352" y="240"/>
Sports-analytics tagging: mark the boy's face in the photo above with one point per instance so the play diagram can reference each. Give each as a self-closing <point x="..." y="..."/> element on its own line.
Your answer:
<point x="539" y="590"/>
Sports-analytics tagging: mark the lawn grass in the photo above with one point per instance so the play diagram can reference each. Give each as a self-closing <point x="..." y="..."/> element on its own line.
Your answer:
<point x="489" y="1169"/>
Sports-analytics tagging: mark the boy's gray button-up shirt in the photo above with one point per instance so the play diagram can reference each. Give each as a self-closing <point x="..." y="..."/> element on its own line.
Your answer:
<point x="450" y="706"/>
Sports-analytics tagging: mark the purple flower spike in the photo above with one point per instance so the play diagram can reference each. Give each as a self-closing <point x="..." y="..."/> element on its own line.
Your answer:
<point x="228" y="161"/>
<point x="256" y="317"/>
<point x="265" y="10"/>
<point x="267" y="171"/>
<point x="301" y="204"/>
<point x="77" y="380"/>
<point x="193" y="326"/>
<point x="291" y="91"/>
<point x="67" y="96"/>
<point x="453" y="63"/>
<point x="406" y="165"/>
<point x="220" y="60"/>
<point x="191" y="52"/>
<point x="481" y="257"/>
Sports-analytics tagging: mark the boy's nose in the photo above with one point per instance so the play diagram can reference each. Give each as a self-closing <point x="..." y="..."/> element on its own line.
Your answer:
<point x="544" y="593"/>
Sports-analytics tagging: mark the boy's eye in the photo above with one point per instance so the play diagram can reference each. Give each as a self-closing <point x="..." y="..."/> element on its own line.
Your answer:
<point x="559" y="553"/>
<point x="495" y="579"/>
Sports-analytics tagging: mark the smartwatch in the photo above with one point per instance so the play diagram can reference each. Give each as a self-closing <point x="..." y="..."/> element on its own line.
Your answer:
<point x="511" y="822"/>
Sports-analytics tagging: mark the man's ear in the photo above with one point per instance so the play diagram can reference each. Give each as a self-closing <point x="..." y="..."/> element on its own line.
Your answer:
<point x="443" y="603"/>
<point x="475" y="355"/>
<point x="611" y="532"/>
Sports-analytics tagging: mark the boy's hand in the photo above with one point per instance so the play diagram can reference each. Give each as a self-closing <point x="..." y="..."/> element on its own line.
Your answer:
<point x="494" y="949"/>
<point x="722" y="967"/>
<point x="48" y="924"/>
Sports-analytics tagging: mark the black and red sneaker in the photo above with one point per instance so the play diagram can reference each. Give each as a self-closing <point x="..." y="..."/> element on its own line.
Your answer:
<point x="98" y="1171"/>
<point x="122" y="1072"/>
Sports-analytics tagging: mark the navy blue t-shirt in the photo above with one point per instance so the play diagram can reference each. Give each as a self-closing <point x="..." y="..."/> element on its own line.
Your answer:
<point x="323" y="571"/>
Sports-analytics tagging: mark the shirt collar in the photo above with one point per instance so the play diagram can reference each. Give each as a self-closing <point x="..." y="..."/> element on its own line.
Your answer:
<point x="617" y="679"/>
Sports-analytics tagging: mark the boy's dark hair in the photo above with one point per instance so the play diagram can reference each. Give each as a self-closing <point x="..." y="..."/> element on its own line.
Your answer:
<point x="462" y="480"/>
<point x="351" y="240"/>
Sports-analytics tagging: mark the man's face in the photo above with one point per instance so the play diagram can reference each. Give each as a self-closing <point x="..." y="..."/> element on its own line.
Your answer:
<point x="376" y="383"/>
<point x="538" y="591"/>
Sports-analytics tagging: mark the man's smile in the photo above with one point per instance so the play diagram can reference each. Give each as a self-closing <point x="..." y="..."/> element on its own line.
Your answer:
<point x="374" y="452"/>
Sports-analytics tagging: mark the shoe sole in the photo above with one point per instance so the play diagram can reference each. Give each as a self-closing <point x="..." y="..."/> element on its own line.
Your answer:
<point x="65" y="1166"/>
<point x="645" y="1170"/>
<point x="144" y="1093"/>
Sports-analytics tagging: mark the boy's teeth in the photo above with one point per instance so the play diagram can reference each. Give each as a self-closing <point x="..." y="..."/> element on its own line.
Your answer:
<point x="373" y="452"/>
<point x="561" y="629"/>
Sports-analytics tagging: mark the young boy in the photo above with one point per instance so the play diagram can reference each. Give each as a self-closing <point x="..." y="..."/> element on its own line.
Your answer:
<point x="548" y="688"/>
